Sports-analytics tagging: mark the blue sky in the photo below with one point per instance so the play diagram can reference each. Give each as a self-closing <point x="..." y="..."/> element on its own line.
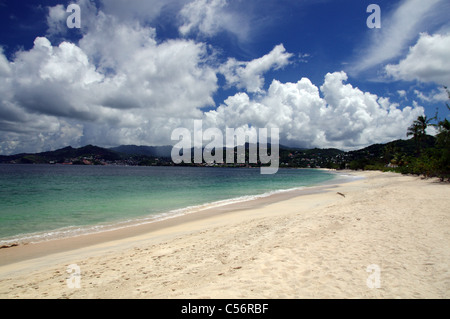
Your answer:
<point x="136" y="70"/>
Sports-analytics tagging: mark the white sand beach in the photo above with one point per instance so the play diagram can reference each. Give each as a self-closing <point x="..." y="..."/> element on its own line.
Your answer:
<point x="318" y="245"/>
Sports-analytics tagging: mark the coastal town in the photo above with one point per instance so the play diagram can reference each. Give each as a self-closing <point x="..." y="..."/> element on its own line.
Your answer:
<point x="93" y="155"/>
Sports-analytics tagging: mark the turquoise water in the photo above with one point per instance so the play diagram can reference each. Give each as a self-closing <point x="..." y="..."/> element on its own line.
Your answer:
<point x="39" y="202"/>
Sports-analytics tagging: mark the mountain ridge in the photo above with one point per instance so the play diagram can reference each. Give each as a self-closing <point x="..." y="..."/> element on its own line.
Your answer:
<point x="161" y="155"/>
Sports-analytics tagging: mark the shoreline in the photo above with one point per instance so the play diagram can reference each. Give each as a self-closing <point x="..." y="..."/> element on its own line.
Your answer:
<point x="17" y="252"/>
<point x="317" y="245"/>
<point x="114" y="225"/>
<point x="141" y="222"/>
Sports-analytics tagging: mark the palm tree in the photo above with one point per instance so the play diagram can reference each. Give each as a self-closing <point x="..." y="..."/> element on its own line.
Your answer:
<point x="423" y="121"/>
<point x="444" y="126"/>
<point x="413" y="130"/>
<point x="418" y="130"/>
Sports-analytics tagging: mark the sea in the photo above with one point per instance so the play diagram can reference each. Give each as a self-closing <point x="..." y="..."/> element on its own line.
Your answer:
<point x="44" y="202"/>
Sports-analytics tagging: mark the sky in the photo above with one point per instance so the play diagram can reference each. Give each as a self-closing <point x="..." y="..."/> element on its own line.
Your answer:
<point x="136" y="70"/>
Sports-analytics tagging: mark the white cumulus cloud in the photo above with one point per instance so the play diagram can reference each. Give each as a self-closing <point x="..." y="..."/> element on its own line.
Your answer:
<point x="345" y="117"/>
<point x="210" y="17"/>
<point x="427" y="61"/>
<point x="249" y="75"/>
<point x="398" y="29"/>
<point x="117" y="85"/>
<point x="120" y="84"/>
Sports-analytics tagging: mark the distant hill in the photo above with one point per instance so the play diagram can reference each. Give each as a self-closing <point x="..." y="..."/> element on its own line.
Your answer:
<point x="66" y="154"/>
<point x="152" y="151"/>
<point x="376" y="154"/>
<point x="407" y="147"/>
<point x="86" y="151"/>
